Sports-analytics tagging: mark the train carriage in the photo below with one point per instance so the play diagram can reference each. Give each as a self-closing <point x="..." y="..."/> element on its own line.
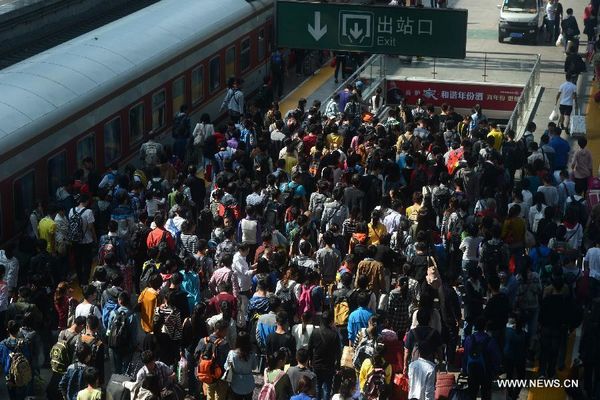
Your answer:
<point x="97" y="95"/>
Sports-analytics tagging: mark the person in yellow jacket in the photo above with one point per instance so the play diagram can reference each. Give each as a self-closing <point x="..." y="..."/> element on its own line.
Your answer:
<point x="376" y="229"/>
<point x="497" y="135"/>
<point x="369" y="366"/>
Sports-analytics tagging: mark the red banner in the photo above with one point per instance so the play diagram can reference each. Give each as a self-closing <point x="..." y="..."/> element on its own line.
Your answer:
<point x="459" y="95"/>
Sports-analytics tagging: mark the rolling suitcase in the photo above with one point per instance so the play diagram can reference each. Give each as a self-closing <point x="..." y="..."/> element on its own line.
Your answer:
<point x="443" y="385"/>
<point x="115" y="389"/>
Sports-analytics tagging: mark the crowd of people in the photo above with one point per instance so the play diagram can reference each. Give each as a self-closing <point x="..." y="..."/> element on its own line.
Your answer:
<point x="338" y="254"/>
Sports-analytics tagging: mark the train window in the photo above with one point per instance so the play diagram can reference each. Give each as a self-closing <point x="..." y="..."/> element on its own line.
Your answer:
<point x="214" y="76"/>
<point x="197" y="84"/>
<point x="261" y="45"/>
<point x="112" y="141"/>
<point x="245" y="54"/>
<point x="86" y="147"/>
<point x="230" y="62"/>
<point x="136" y="123"/>
<point x="158" y="110"/>
<point x="23" y="195"/>
<point x="57" y="172"/>
<point x="178" y="90"/>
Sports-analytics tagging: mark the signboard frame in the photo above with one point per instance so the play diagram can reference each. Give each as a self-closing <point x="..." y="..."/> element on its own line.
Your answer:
<point x="377" y="29"/>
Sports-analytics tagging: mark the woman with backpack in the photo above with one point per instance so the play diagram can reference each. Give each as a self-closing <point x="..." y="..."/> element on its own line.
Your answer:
<point x="277" y="383"/>
<point x="240" y="362"/>
<point x="375" y="375"/>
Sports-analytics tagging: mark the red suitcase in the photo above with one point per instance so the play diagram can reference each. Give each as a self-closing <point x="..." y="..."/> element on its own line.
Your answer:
<point x="443" y="385"/>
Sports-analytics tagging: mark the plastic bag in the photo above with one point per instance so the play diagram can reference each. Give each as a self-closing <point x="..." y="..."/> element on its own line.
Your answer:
<point x="553" y="115"/>
<point x="560" y="41"/>
<point x="182" y="372"/>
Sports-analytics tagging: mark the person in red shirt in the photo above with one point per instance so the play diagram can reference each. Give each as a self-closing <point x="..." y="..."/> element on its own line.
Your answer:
<point x="156" y="235"/>
<point x="214" y="304"/>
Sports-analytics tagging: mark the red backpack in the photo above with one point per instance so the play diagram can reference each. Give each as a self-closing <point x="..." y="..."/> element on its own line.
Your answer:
<point x="305" y="301"/>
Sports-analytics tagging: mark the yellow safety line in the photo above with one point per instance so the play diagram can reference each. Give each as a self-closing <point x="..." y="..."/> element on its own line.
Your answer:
<point x="592" y="122"/>
<point x="306" y="88"/>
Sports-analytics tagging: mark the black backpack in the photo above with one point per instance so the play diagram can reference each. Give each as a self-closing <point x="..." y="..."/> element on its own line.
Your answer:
<point x="149" y="269"/>
<point x="577" y="208"/>
<point x="119" y="332"/>
<point x="439" y="199"/>
<point x="492" y="254"/>
<point x="75" y="233"/>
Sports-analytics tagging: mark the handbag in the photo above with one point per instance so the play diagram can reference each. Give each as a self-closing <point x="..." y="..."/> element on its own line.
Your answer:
<point x="560" y="41"/>
<point x="347" y="357"/>
<point x="228" y="374"/>
<point x="553" y="115"/>
<point x="577" y="125"/>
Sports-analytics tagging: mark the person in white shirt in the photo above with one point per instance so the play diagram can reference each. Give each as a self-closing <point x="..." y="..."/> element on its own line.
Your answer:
<point x="591" y="262"/>
<point x="421" y="379"/>
<point x="10" y="262"/>
<point x="243" y="274"/>
<point x="84" y="250"/>
<point x="567" y="94"/>
<point x="88" y="306"/>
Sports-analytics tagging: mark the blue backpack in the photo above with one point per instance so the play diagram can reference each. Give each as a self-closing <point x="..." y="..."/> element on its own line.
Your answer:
<point x="109" y="306"/>
<point x="476" y="364"/>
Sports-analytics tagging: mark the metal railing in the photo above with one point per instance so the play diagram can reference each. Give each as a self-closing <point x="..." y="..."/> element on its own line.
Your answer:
<point x="371" y="73"/>
<point x="520" y="116"/>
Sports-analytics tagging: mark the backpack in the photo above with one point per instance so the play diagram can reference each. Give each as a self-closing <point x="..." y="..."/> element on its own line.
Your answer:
<point x="476" y="365"/>
<point x="375" y="387"/>
<point x="416" y="351"/>
<point x="110" y="305"/>
<point x="288" y="298"/>
<point x="75" y="233"/>
<point x="287" y="195"/>
<point x="261" y="164"/>
<point x="148" y="269"/>
<point x="163" y="245"/>
<point x="364" y="350"/>
<point x="267" y="392"/>
<point x="94" y="344"/>
<point x="109" y="247"/>
<point x="492" y="254"/>
<point x="305" y="302"/>
<point x="156" y="186"/>
<point x="59" y="357"/>
<point x="341" y="310"/>
<point x="138" y="238"/>
<point x="439" y="199"/>
<point x="119" y="335"/>
<point x="208" y="370"/>
<point x="19" y="372"/>
<point x="578" y="209"/>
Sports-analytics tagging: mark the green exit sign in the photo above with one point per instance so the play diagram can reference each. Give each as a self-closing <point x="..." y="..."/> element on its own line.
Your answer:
<point x="373" y="29"/>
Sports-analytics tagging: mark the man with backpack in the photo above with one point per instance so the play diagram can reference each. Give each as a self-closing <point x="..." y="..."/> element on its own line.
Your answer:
<point x="422" y="341"/>
<point x="481" y="361"/>
<point x="324" y="349"/>
<point x="121" y="334"/>
<point x="91" y="337"/>
<point x="72" y="381"/>
<point x="16" y="363"/>
<point x="211" y="353"/>
<point x="160" y="237"/>
<point x="82" y="235"/>
<point x="62" y="354"/>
